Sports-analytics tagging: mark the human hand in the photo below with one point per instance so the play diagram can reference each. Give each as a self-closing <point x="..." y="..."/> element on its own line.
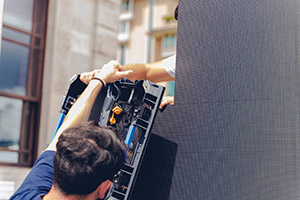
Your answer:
<point x="86" y="77"/>
<point x="166" y="101"/>
<point x="111" y="72"/>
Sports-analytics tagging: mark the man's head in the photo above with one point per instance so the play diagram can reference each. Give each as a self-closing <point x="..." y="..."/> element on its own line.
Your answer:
<point x="86" y="156"/>
<point x="176" y="13"/>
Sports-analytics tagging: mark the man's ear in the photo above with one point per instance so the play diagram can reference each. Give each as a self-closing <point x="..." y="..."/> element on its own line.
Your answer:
<point x="103" y="187"/>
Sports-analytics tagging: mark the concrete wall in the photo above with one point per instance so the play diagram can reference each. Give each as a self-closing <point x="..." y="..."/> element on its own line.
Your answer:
<point x="137" y="43"/>
<point x="162" y="9"/>
<point x="81" y="36"/>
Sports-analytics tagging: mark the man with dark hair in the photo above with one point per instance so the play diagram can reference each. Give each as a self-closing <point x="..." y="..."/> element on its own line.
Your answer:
<point x="176" y="13"/>
<point x="89" y="155"/>
<point x="82" y="159"/>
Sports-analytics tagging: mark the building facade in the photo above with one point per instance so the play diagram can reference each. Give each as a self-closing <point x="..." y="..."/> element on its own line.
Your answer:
<point x="44" y="43"/>
<point x="147" y="32"/>
<point x="21" y="72"/>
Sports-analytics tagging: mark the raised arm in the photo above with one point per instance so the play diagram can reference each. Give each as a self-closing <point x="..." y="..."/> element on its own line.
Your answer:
<point x="154" y="72"/>
<point x="81" y="109"/>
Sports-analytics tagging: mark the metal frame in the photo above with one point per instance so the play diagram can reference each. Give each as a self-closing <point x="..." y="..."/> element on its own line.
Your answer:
<point x="1" y="19"/>
<point x="34" y="100"/>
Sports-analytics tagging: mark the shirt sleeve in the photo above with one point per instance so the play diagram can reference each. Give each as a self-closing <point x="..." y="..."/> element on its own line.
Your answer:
<point x="170" y="65"/>
<point x="39" y="180"/>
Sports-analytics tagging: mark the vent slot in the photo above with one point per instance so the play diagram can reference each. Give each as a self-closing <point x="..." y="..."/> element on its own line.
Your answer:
<point x="151" y="97"/>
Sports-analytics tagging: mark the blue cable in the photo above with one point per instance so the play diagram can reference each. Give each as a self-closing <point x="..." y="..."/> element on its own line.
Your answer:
<point x="58" y="124"/>
<point x="130" y="135"/>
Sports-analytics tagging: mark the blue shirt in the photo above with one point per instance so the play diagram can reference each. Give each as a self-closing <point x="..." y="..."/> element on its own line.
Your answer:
<point x="39" y="180"/>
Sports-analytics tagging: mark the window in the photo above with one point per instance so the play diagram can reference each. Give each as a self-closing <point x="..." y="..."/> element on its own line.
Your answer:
<point x="122" y="59"/>
<point x="21" y="63"/>
<point x="171" y="88"/>
<point x="169" y="41"/>
<point x="125" y="6"/>
<point x="122" y="28"/>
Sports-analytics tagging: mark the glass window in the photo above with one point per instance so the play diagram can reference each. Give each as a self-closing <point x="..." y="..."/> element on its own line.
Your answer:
<point x="15" y="35"/>
<point x="21" y="66"/>
<point x="9" y="157"/>
<point x="13" y="67"/>
<point x="171" y="88"/>
<point x="169" y="41"/>
<point x="174" y="38"/>
<point x="10" y="122"/>
<point x="125" y="6"/>
<point x="122" y="54"/>
<point x="122" y="27"/>
<point x="18" y="13"/>
<point x="166" y="41"/>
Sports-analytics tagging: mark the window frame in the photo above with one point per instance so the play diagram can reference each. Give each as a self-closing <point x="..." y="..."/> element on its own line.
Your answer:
<point x="33" y="100"/>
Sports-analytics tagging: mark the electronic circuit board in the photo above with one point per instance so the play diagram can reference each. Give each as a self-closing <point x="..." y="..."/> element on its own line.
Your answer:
<point x="131" y="109"/>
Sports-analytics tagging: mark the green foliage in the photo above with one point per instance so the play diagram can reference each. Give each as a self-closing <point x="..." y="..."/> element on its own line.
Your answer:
<point x="169" y="18"/>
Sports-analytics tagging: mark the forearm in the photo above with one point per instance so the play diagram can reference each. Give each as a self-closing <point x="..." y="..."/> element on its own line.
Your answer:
<point x="154" y="72"/>
<point x="139" y="71"/>
<point x="80" y="111"/>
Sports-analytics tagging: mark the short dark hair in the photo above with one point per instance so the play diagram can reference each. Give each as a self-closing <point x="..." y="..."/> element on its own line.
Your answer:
<point x="176" y="13"/>
<point x="86" y="156"/>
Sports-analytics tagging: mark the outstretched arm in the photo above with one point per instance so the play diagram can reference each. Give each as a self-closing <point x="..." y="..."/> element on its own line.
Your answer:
<point x="81" y="109"/>
<point x="154" y="72"/>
